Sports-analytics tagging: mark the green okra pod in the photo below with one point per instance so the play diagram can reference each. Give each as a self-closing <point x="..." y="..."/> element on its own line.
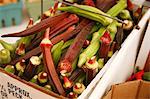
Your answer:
<point x="90" y="51"/>
<point x="87" y="11"/>
<point x="55" y="47"/>
<point x="34" y="79"/>
<point x="57" y="53"/>
<point x="42" y="77"/>
<point x="116" y="9"/>
<point x="67" y="43"/>
<point x="48" y="87"/>
<point x="112" y="28"/>
<point x="96" y="27"/>
<point x="22" y="44"/>
<point x="125" y="14"/>
<point x="9" y="46"/>
<point x="40" y="68"/>
<point x="5" y="56"/>
<point x="10" y="69"/>
<point x="98" y="34"/>
<point x="100" y="63"/>
<point x="20" y="67"/>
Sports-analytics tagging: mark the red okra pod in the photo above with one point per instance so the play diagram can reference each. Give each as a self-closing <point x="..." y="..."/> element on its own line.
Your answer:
<point x="76" y="73"/>
<point x="89" y="2"/>
<point x="66" y="23"/>
<point x="49" y="22"/>
<point x="64" y="36"/>
<point x="105" y="45"/>
<point x="67" y="35"/>
<point x="105" y="5"/>
<point x="75" y="48"/>
<point x="30" y="70"/>
<point x="46" y="46"/>
<point x="91" y="69"/>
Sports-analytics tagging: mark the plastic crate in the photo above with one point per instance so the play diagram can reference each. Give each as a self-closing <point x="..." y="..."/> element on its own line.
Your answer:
<point x="34" y="8"/>
<point x="11" y="14"/>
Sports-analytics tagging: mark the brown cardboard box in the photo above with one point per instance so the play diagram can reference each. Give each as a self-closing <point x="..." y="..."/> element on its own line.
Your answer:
<point x="130" y="90"/>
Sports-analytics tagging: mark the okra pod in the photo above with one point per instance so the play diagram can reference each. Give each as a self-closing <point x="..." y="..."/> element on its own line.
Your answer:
<point x="46" y="46"/>
<point x="88" y="13"/>
<point x="105" y="45"/>
<point x="10" y="69"/>
<point x="5" y="56"/>
<point x="91" y="69"/>
<point x="57" y="53"/>
<point x="75" y="48"/>
<point x="119" y="37"/>
<point x="112" y="49"/>
<point x="9" y="46"/>
<point x="100" y="63"/>
<point x="48" y="87"/>
<point x="40" y="68"/>
<point x="90" y="51"/>
<point x="125" y="14"/>
<point x="30" y="70"/>
<point x="23" y="43"/>
<point x="116" y="9"/>
<point x="49" y="22"/>
<point x="105" y="5"/>
<point x="34" y="79"/>
<point x="78" y="88"/>
<point x="67" y="83"/>
<point x="72" y="95"/>
<point x="42" y="78"/>
<point x="20" y="67"/>
<point x="57" y="46"/>
<point x="75" y="74"/>
<point x="67" y="43"/>
<point x="64" y="24"/>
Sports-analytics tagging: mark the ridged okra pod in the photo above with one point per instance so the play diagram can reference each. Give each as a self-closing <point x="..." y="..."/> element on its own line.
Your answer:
<point x="5" y="56"/>
<point x="116" y="9"/>
<point x="9" y="46"/>
<point x="87" y="11"/>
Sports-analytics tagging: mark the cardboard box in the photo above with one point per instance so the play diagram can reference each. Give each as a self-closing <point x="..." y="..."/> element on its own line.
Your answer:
<point x="37" y="92"/>
<point x="123" y="64"/>
<point x="130" y="90"/>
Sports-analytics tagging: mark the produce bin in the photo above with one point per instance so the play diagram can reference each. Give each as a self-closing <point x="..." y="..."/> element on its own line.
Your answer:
<point x="11" y="82"/>
<point x="34" y="8"/>
<point x="11" y="14"/>
<point x="123" y="64"/>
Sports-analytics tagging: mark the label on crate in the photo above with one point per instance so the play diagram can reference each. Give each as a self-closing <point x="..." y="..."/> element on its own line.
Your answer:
<point x="11" y="88"/>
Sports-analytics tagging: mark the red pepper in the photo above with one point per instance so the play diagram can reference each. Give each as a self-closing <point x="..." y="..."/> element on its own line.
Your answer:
<point x="136" y="76"/>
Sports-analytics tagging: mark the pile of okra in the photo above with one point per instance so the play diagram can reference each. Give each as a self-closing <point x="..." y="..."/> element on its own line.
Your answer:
<point x="69" y="45"/>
